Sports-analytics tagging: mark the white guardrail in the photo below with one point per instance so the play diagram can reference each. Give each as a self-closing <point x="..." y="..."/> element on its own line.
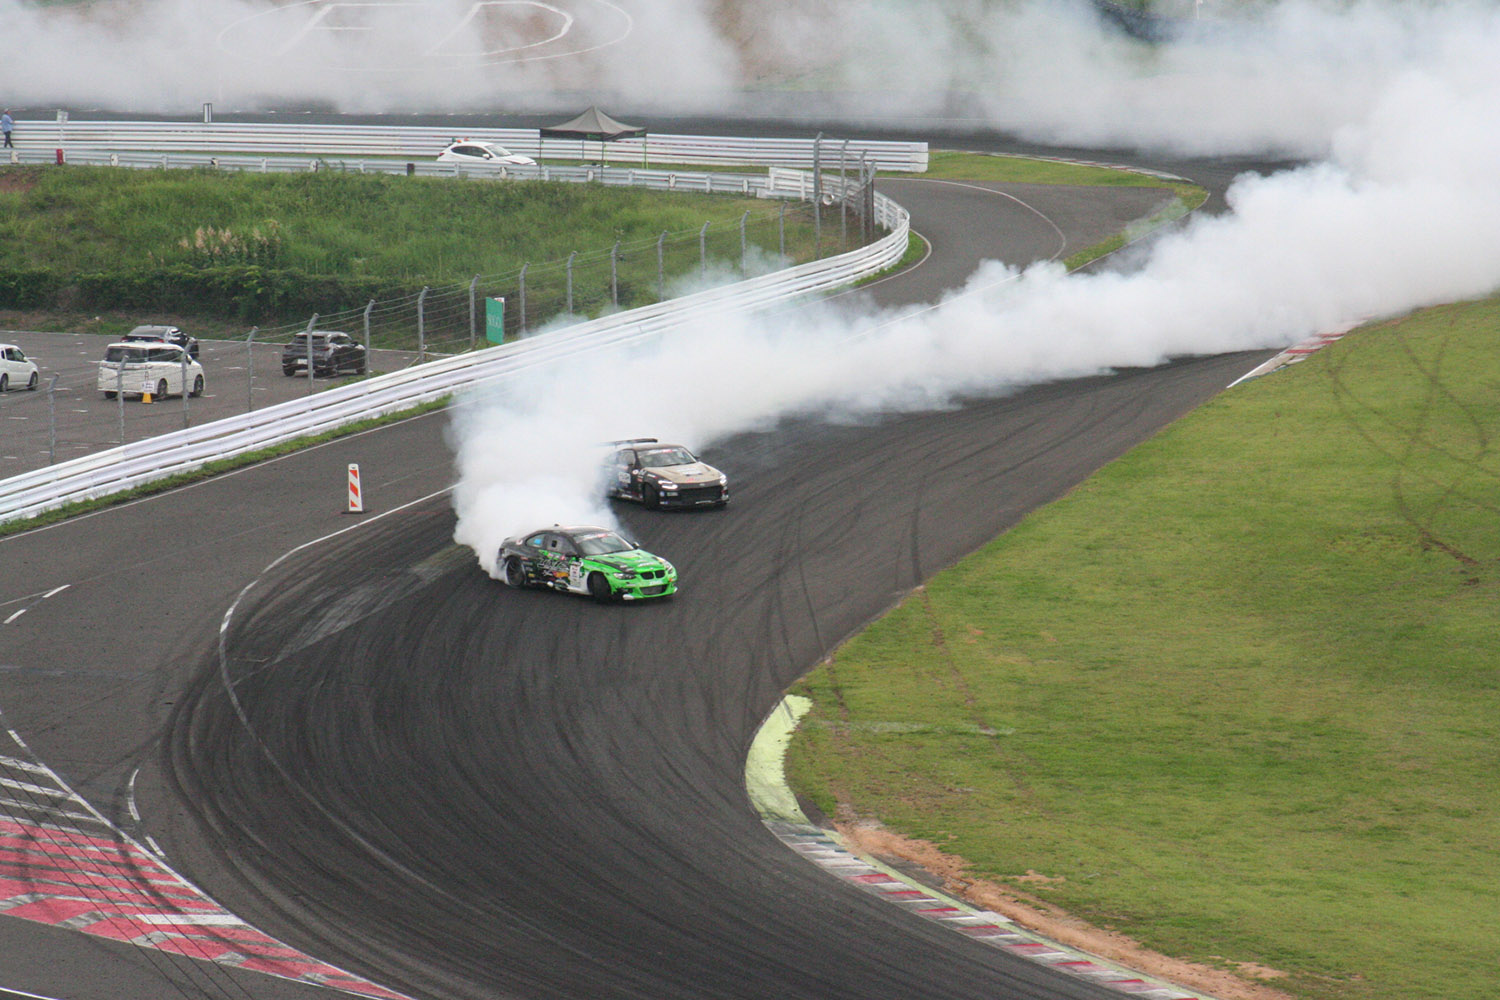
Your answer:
<point x="41" y="140"/>
<point x="137" y="463"/>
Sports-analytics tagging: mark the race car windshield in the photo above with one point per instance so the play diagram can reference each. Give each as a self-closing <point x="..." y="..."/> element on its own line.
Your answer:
<point x="602" y="544"/>
<point x="661" y="458"/>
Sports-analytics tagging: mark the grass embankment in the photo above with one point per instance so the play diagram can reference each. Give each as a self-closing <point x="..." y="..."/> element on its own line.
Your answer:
<point x="1238" y="695"/>
<point x="237" y="248"/>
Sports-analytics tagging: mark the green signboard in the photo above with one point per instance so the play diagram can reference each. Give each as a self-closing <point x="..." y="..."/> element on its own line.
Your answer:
<point x="494" y="320"/>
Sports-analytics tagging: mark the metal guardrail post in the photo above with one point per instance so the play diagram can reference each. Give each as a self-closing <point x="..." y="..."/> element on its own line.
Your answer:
<point x="472" y="286"/>
<point x="703" y="250"/>
<point x="614" y="274"/>
<point x="308" y="337"/>
<point x="523" y="296"/>
<point x="817" y="199"/>
<point x="368" y="306"/>
<point x="250" y="368"/>
<point x="422" y="325"/>
<point x="52" y="420"/>
<point x="781" y="229"/>
<point x="661" y="267"/>
<point x="743" y="251"/>
<point x="120" y="394"/>
<point x="843" y="198"/>
<point x="570" y="281"/>
<point x="184" y="389"/>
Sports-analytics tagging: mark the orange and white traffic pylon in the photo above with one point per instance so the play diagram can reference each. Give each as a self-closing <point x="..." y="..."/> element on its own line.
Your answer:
<point x="356" y="497"/>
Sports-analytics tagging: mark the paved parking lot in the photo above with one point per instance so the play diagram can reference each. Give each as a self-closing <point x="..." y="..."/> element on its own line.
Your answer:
<point x="74" y="418"/>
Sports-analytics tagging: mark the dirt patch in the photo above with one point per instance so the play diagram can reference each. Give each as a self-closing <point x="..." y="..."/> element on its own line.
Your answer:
<point x="1037" y="915"/>
<point x="17" y="179"/>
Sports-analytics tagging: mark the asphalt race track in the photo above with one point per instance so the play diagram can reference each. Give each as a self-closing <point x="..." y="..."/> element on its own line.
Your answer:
<point x="396" y="765"/>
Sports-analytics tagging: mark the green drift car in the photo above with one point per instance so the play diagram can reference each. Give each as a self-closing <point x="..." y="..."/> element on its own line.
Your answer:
<point x="586" y="560"/>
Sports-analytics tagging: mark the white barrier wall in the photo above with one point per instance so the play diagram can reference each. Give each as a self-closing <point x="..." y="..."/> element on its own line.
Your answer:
<point x="41" y="139"/>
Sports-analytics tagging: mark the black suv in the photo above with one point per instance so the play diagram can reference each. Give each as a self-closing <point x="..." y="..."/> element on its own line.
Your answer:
<point x="332" y="352"/>
<point x="167" y="335"/>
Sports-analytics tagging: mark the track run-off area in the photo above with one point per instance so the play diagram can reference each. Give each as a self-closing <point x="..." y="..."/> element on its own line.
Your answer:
<point x="351" y="752"/>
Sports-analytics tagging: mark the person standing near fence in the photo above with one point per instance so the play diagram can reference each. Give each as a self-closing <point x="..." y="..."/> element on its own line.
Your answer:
<point x="7" y="125"/>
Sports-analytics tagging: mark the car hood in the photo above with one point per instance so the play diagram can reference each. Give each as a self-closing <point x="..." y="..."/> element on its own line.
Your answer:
<point x="636" y="559"/>
<point x="687" y="475"/>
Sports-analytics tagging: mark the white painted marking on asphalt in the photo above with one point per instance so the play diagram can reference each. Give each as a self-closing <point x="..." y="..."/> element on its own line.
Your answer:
<point x="5" y="991"/>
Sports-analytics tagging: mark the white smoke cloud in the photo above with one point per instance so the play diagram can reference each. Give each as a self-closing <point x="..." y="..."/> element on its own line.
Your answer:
<point x="1405" y="212"/>
<point x="1284" y="79"/>
<point x="1397" y="102"/>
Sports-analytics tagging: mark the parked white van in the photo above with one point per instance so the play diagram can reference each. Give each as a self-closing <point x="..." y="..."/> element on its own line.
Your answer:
<point x="140" y="367"/>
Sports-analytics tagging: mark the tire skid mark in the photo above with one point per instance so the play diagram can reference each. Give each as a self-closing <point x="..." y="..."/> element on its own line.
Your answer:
<point x="65" y="864"/>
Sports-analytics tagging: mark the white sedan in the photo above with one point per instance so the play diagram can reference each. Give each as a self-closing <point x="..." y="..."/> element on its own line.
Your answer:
<point x="483" y="154"/>
<point x="16" y="369"/>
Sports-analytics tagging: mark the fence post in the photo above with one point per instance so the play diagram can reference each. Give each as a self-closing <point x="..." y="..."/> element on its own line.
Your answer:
<point x="570" y="281"/>
<point x="817" y="197"/>
<point x="781" y="229"/>
<point x="661" y="268"/>
<point x="422" y="325"/>
<point x="843" y="198"/>
<point x="523" y="296"/>
<point x="368" y="306"/>
<point x="472" y="286"/>
<point x="614" y="274"/>
<point x="308" y="337"/>
<point x="184" y="389"/>
<point x="120" y="395"/>
<point x="867" y="227"/>
<point x="52" y="420"/>
<point x="703" y="251"/>
<point x="743" y="219"/>
<point x="250" y="367"/>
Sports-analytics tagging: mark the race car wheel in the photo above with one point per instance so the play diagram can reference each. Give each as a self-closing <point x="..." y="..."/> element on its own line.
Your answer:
<point x="31" y="383"/>
<point x="599" y="588"/>
<point x="108" y="394"/>
<point x="197" y="386"/>
<point x="650" y="496"/>
<point x="4" y="382"/>
<point x="288" y="371"/>
<point x="161" y="389"/>
<point x="515" y="574"/>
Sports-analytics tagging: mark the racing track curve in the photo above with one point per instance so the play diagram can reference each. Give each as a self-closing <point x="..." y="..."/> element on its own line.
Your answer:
<point x="460" y="790"/>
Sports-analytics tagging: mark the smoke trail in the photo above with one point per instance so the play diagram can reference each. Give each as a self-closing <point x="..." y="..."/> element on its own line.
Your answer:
<point x="1404" y="213"/>
<point x="1278" y="77"/>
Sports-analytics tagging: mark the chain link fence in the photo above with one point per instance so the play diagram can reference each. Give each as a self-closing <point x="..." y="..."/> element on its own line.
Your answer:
<point x="68" y="415"/>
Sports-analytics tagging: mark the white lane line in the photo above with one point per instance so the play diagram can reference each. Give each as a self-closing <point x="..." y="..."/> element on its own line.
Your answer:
<point x="39" y="600"/>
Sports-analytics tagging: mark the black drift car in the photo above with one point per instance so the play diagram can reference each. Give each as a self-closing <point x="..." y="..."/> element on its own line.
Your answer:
<point x="331" y="353"/>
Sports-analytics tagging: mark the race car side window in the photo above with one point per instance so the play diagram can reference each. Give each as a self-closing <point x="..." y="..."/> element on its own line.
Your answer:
<point x="535" y="541"/>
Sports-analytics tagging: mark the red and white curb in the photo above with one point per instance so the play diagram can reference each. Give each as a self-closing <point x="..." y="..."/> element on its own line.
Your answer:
<point x="784" y="818"/>
<point x="1294" y="354"/>
<point x="63" y="863"/>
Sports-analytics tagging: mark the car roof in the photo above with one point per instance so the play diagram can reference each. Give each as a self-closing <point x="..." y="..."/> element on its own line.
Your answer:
<point x="321" y="333"/>
<point x="154" y="328"/>
<point x="136" y="345"/>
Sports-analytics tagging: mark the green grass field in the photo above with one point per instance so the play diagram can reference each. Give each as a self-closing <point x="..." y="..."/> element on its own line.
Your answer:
<point x="1238" y="695"/>
<point x="412" y="230"/>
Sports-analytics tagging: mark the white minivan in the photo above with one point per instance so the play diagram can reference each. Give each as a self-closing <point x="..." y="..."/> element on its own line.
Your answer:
<point x="139" y="367"/>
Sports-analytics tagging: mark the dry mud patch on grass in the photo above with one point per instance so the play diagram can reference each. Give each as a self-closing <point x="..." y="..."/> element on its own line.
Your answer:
<point x="950" y="872"/>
